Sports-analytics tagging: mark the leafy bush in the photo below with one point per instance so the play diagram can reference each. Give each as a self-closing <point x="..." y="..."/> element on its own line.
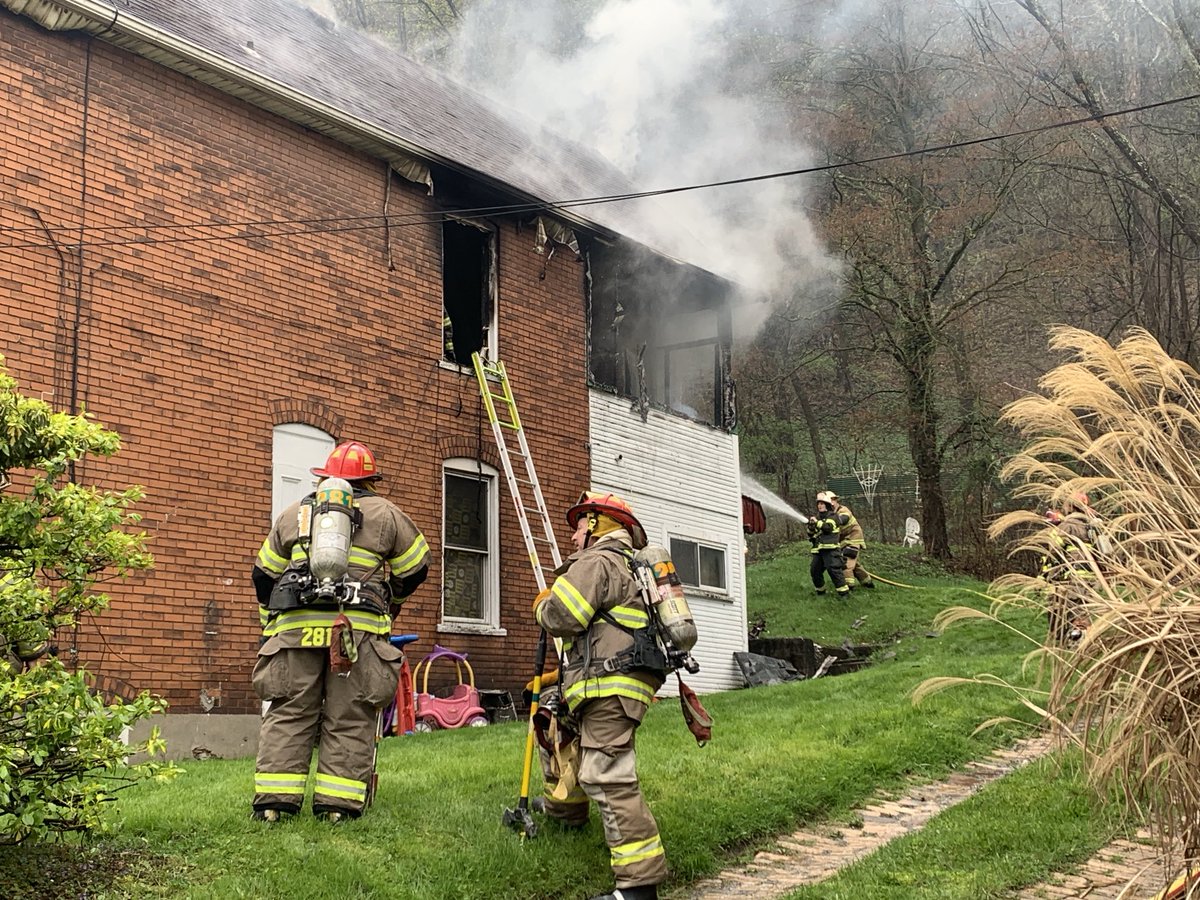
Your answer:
<point x="61" y="749"/>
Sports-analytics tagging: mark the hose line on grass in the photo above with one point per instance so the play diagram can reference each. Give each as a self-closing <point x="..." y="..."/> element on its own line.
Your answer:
<point x="875" y="577"/>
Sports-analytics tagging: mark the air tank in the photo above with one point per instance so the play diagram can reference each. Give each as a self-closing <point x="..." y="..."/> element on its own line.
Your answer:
<point x="332" y="528"/>
<point x="673" y="611"/>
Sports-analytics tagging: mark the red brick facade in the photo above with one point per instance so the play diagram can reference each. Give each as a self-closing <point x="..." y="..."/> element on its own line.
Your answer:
<point x="194" y="344"/>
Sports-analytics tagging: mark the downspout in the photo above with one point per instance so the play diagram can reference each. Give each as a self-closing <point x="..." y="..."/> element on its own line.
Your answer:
<point x="77" y="316"/>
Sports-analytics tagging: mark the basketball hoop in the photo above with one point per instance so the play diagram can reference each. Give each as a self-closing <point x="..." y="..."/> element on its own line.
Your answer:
<point x="868" y="478"/>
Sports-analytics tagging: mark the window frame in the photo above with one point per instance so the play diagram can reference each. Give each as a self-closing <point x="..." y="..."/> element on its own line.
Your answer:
<point x="491" y="347"/>
<point x="489" y="622"/>
<point x="722" y="548"/>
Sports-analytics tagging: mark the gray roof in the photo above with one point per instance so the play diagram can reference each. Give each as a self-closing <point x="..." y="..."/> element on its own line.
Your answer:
<point x="428" y="115"/>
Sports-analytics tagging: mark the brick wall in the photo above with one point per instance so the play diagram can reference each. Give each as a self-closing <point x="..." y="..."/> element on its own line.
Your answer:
<point x="193" y="349"/>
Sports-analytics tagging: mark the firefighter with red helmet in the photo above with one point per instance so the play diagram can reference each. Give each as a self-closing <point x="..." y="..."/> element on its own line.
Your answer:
<point x="1068" y="570"/>
<point x="326" y="666"/>
<point x="608" y="680"/>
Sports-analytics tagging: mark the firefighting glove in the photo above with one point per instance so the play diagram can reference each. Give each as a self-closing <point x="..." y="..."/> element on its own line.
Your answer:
<point x="540" y="599"/>
<point x="812" y="528"/>
<point x="827" y="526"/>
<point x="548" y="679"/>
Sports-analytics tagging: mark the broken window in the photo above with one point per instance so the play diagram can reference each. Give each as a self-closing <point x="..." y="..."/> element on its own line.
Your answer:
<point x="660" y="333"/>
<point x="468" y="291"/>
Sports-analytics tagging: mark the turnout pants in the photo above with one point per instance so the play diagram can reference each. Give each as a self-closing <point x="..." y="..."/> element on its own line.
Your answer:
<point x="829" y="559"/>
<point x="311" y="706"/>
<point x="608" y="775"/>
<point x="1066" y="612"/>
<point x="854" y="570"/>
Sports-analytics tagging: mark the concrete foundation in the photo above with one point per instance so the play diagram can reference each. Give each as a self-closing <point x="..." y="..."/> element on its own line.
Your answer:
<point x="202" y="736"/>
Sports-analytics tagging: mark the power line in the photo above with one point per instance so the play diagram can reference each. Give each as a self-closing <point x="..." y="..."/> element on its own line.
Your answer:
<point x="377" y="220"/>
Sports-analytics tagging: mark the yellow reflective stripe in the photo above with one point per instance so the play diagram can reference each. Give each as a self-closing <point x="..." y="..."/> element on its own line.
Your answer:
<point x="373" y="623"/>
<point x="264" y="616"/>
<point x="279" y="783"/>
<point x="332" y="786"/>
<point x="362" y="557"/>
<point x="574" y="795"/>
<point x="574" y="601"/>
<point x="269" y="560"/>
<point x="410" y="558"/>
<point x="608" y="686"/>
<point x="630" y="617"/>
<point x="636" y="851"/>
<point x="298" y="553"/>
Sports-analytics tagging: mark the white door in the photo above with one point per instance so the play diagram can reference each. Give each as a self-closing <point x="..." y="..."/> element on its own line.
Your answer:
<point x="295" y="449"/>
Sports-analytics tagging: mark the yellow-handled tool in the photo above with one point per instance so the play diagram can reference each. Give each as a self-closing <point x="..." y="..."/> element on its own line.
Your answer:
<point x="520" y="818"/>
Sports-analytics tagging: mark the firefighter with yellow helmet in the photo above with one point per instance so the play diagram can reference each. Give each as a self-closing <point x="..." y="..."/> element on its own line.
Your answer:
<point x="596" y="607"/>
<point x="326" y="666"/>
<point x="853" y="543"/>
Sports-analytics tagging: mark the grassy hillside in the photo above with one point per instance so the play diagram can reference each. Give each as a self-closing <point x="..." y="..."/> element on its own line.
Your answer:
<point x="801" y="753"/>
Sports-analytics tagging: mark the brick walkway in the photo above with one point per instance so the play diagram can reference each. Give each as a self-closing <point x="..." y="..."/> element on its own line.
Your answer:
<point x="1124" y="863"/>
<point x="812" y="855"/>
<point x="1124" y="870"/>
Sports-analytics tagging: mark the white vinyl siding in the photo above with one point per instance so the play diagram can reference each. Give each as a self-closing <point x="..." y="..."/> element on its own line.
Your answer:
<point x="683" y="481"/>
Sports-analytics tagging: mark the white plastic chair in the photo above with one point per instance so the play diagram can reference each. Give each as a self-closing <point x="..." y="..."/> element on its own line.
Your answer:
<point x="912" y="532"/>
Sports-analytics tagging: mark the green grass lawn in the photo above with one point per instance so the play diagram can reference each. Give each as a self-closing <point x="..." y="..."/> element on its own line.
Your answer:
<point x="781" y="757"/>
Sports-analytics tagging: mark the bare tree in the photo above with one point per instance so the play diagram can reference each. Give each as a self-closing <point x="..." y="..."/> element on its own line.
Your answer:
<point x="915" y="232"/>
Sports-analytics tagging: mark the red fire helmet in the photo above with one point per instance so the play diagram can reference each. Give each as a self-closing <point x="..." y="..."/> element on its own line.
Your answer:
<point x="609" y="505"/>
<point x="351" y="460"/>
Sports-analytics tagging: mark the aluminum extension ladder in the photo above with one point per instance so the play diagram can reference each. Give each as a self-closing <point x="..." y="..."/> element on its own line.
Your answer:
<point x="490" y="375"/>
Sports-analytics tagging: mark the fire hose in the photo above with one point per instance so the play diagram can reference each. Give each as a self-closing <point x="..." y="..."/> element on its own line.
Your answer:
<point x="875" y="577"/>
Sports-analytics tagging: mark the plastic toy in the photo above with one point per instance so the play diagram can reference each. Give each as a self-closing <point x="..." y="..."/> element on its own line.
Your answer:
<point x="399" y="716"/>
<point x="460" y="707"/>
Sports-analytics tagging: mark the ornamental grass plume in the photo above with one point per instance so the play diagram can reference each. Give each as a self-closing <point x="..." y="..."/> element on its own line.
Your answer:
<point x="1121" y="425"/>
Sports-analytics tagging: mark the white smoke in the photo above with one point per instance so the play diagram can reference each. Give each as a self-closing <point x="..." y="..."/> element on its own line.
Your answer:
<point x="658" y="88"/>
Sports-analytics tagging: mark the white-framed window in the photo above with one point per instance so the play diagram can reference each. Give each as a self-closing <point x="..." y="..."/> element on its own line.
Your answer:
<point x="470" y="546"/>
<point x="295" y="450"/>
<point x="701" y="564"/>
<point x="468" y="291"/>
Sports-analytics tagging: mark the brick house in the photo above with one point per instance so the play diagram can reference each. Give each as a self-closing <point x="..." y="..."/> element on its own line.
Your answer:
<point x="238" y="237"/>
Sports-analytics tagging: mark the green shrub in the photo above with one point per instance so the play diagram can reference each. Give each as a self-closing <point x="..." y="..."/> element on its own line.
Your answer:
<point x="61" y="749"/>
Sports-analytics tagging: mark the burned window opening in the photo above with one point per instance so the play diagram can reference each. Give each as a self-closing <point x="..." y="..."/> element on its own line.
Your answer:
<point x="660" y="333"/>
<point x="468" y="291"/>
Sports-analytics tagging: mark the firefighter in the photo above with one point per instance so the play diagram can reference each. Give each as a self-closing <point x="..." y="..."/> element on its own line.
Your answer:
<point x="853" y="543"/>
<point x="825" y="535"/>
<point x="305" y="642"/>
<point x="1068" y="571"/>
<point x="595" y="606"/>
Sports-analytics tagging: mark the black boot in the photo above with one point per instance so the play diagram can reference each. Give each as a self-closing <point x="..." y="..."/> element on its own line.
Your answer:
<point x="643" y="892"/>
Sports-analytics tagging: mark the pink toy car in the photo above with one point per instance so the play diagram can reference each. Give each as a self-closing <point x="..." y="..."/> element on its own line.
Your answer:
<point x="461" y="707"/>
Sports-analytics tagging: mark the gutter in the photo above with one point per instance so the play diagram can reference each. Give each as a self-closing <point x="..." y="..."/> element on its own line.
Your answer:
<point x="150" y="41"/>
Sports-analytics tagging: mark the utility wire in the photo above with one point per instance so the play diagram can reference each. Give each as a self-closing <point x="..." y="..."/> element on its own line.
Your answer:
<point x="377" y="220"/>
